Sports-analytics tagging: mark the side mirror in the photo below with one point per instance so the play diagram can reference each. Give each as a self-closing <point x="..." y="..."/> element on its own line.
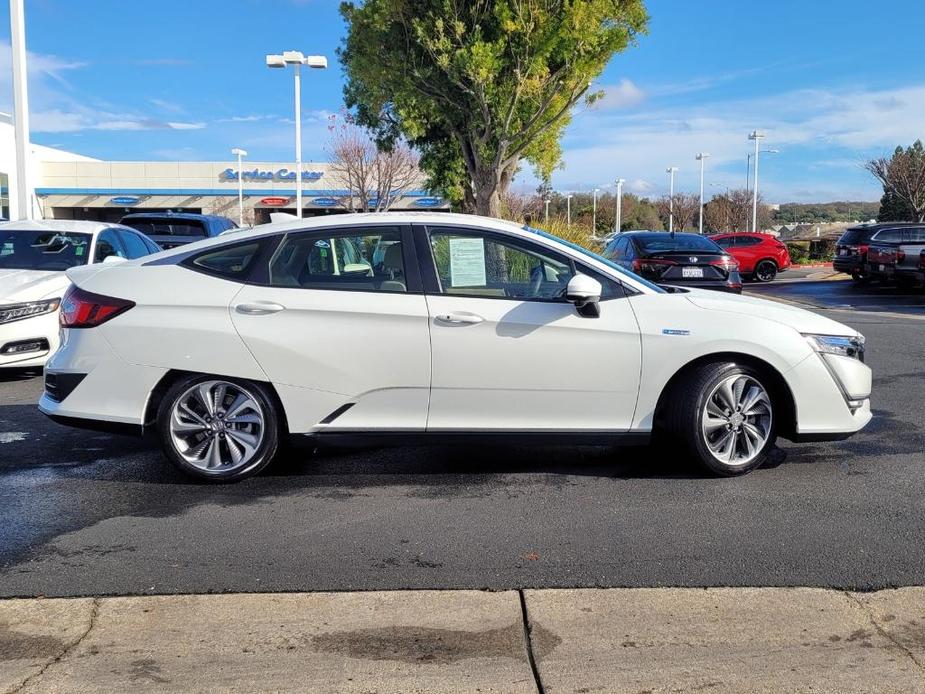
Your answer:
<point x="585" y="293"/>
<point x="114" y="259"/>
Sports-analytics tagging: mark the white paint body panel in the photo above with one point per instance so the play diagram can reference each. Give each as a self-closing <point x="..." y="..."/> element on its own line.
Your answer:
<point x="533" y="366"/>
<point x="367" y="348"/>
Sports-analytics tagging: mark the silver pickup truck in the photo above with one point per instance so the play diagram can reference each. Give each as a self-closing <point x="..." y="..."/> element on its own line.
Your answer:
<point x="900" y="261"/>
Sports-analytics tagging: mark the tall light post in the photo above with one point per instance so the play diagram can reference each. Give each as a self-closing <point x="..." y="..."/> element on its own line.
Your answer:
<point x="618" y="219"/>
<point x="240" y="153"/>
<point x="568" y="210"/>
<point x="748" y="166"/>
<point x="594" y="211"/>
<point x="20" y="110"/>
<point x="756" y="136"/>
<point x="546" y="203"/>
<point x="297" y="60"/>
<point x="702" y="157"/>
<point x="671" y="171"/>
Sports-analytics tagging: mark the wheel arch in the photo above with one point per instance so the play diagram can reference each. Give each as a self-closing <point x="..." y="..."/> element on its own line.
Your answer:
<point x="173" y="375"/>
<point x="780" y="390"/>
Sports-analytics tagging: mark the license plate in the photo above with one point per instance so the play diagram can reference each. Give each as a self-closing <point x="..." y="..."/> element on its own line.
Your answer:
<point x="843" y="251"/>
<point x="691" y="272"/>
<point x="882" y="268"/>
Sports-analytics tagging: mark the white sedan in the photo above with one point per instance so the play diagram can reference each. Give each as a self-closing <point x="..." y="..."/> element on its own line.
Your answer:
<point x="33" y="259"/>
<point x="438" y="327"/>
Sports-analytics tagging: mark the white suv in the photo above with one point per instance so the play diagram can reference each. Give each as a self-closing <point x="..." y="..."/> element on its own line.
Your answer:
<point x="440" y="327"/>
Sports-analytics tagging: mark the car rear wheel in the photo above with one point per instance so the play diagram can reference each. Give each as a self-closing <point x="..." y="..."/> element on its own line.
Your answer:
<point x="724" y="413"/>
<point x="766" y="271"/>
<point x="218" y="429"/>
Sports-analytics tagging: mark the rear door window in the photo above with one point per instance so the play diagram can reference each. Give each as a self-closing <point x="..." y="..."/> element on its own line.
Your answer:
<point x="134" y="245"/>
<point x="232" y="262"/>
<point x="356" y="259"/>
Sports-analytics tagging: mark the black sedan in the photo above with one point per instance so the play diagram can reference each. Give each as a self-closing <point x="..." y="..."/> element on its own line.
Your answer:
<point x="687" y="260"/>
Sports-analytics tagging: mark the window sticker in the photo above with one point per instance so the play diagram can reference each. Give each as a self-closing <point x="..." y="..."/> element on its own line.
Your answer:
<point x="467" y="262"/>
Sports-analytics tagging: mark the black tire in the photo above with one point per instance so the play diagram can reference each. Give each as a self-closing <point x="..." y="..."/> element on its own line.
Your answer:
<point x="765" y="271"/>
<point x="263" y="452"/>
<point x="684" y="415"/>
<point x="860" y="279"/>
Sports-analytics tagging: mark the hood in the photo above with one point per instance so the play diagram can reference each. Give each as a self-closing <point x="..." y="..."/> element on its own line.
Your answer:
<point x="18" y="286"/>
<point x="799" y="319"/>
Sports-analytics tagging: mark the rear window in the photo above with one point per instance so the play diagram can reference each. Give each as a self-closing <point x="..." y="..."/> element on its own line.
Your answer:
<point x="666" y="243"/>
<point x="233" y="262"/>
<point x="167" y="227"/>
<point x="854" y="236"/>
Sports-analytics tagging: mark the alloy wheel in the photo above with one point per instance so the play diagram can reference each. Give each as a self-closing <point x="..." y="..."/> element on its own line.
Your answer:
<point x="736" y="420"/>
<point x="765" y="272"/>
<point x="217" y="426"/>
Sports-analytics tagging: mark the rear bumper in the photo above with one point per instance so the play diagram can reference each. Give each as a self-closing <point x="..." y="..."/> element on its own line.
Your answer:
<point x="849" y="265"/>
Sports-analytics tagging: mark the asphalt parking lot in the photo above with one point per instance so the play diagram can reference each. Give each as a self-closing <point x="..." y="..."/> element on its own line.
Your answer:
<point x="93" y="514"/>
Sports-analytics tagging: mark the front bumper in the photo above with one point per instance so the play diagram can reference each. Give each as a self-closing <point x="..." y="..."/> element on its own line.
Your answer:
<point x="831" y="396"/>
<point x="42" y="328"/>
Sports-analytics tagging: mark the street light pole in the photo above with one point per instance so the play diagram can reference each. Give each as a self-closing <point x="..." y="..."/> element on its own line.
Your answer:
<point x="240" y="153"/>
<point x="568" y="210"/>
<point x="297" y="60"/>
<point x="618" y="220"/>
<point x="20" y="110"/>
<point x="703" y="156"/>
<point x="671" y="170"/>
<point x="546" y="203"/>
<point x="594" y="212"/>
<point x="757" y="136"/>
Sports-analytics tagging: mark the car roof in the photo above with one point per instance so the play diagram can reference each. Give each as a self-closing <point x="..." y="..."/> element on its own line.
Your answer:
<point x="174" y="215"/>
<point x="877" y="226"/>
<point x="76" y="226"/>
<point x="660" y="234"/>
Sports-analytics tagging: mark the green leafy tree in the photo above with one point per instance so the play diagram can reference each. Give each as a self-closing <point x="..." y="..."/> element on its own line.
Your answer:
<point x="477" y="86"/>
<point x="892" y="209"/>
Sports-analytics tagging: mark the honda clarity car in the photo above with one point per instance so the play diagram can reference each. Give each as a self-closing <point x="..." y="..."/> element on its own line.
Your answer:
<point x="410" y="327"/>
<point x="33" y="259"/>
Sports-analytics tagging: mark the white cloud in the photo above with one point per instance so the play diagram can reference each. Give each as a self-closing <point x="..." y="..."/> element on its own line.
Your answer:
<point x="623" y="95"/>
<point x="839" y="126"/>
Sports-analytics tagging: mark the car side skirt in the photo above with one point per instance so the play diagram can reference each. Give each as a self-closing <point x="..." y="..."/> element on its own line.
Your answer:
<point x="488" y="438"/>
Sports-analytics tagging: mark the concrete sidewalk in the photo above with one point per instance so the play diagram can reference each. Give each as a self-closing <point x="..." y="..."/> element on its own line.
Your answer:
<point x="615" y="640"/>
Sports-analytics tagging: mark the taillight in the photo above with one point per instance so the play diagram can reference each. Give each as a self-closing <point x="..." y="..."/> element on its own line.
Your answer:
<point x="863" y="248"/>
<point x="83" y="309"/>
<point x="726" y="262"/>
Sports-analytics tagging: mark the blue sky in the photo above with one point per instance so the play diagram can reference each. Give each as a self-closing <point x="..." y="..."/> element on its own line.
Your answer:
<point x="831" y="83"/>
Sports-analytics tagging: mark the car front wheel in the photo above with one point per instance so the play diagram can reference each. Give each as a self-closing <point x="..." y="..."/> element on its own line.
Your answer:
<point x="218" y="429"/>
<point x="724" y="413"/>
<point x="766" y="271"/>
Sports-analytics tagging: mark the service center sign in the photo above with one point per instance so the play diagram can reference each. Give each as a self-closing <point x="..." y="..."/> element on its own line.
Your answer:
<point x="275" y="202"/>
<point x="256" y="175"/>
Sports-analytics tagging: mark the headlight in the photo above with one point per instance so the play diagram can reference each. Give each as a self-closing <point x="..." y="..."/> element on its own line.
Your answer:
<point x="852" y="347"/>
<point x="14" y="312"/>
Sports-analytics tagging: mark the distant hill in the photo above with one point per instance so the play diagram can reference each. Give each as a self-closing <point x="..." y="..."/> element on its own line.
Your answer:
<point x="841" y="211"/>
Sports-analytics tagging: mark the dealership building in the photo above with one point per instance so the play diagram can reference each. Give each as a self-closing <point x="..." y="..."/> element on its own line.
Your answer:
<point x="71" y="186"/>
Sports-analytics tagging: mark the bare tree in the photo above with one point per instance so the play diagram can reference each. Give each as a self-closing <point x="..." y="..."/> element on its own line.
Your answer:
<point x="375" y="179"/>
<point x="684" y="209"/>
<point x="730" y="211"/>
<point x="903" y="177"/>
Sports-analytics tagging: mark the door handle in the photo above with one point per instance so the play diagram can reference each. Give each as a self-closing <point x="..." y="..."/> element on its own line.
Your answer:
<point x="459" y="318"/>
<point x="259" y="308"/>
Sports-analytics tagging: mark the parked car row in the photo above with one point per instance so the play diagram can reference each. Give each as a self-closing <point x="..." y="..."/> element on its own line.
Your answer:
<point x="34" y="257"/>
<point x="886" y="252"/>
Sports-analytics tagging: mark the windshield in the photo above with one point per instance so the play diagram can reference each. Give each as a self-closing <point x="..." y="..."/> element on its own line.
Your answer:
<point x="167" y="227"/>
<point x="43" y="250"/>
<point x="677" y="243"/>
<point x="599" y="258"/>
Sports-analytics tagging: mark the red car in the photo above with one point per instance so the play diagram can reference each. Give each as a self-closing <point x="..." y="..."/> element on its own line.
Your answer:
<point x="760" y="256"/>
